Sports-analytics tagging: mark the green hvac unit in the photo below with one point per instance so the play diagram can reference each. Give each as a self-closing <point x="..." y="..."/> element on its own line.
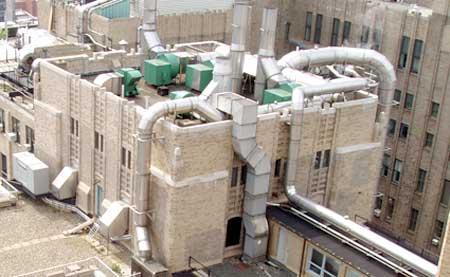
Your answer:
<point x="157" y="72"/>
<point x="180" y="94"/>
<point x="130" y="78"/>
<point x="174" y="63"/>
<point x="117" y="9"/>
<point x="198" y="76"/>
<point x="276" y="95"/>
<point x="289" y="87"/>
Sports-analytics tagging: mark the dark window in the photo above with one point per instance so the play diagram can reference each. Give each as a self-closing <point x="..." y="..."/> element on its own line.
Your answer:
<point x="421" y="180"/>
<point x="15" y="128"/>
<point x="74" y="126"/>
<point x="445" y="196"/>
<point x="434" y="109"/>
<point x="413" y="220"/>
<point x="417" y="53"/>
<point x="4" y="165"/>
<point x="397" y="174"/>
<point x="244" y="175"/>
<point x="318" y="29"/>
<point x="409" y="101"/>
<point x="2" y="120"/>
<point x="98" y="141"/>
<point x="376" y="39"/>
<point x="123" y="157"/>
<point x="335" y="32"/>
<point x="234" y="176"/>
<point x="392" y="126"/>
<point x="277" y="168"/>
<point x="403" y="57"/>
<point x="397" y="95"/>
<point x="438" y="229"/>
<point x="390" y="208"/>
<point x="346" y="32"/>
<point x="308" y="26"/>
<point x="379" y="202"/>
<point x="404" y="128"/>
<point x="365" y="34"/>
<point x="385" y="165"/>
<point x="326" y="158"/>
<point x="234" y="227"/>
<point x="29" y="138"/>
<point x="317" y="160"/>
<point x="129" y="160"/>
<point x="428" y="140"/>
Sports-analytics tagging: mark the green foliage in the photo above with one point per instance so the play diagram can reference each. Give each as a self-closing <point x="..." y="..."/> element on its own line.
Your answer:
<point x="3" y="33"/>
<point x="116" y="268"/>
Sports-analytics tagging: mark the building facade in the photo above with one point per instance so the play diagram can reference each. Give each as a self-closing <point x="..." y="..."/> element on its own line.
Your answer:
<point x="412" y="203"/>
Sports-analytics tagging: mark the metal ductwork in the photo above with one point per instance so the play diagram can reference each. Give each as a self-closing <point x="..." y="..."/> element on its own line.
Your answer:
<point x="266" y="49"/>
<point x="149" y="36"/>
<point x="367" y="58"/>
<point x="241" y="16"/>
<point x="143" y="160"/>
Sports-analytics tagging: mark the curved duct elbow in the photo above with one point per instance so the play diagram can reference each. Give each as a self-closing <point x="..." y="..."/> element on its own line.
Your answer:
<point x="272" y="72"/>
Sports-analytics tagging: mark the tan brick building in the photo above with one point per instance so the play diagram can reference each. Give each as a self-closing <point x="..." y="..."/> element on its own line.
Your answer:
<point x="414" y="188"/>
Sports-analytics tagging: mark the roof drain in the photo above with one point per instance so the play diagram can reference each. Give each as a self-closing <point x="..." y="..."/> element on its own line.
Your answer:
<point x="143" y="160"/>
<point x="244" y="113"/>
<point x="379" y="63"/>
<point x="241" y="15"/>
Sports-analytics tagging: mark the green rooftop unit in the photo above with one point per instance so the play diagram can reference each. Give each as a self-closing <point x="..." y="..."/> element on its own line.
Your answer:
<point x="130" y="78"/>
<point x="174" y="63"/>
<point x="276" y="95"/>
<point x="289" y="87"/>
<point x="180" y="94"/>
<point x="198" y="76"/>
<point x="157" y="72"/>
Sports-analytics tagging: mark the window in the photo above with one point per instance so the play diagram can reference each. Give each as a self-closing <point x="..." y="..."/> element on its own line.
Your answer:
<point x="403" y="130"/>
<point x="409" y="100"/>
<point x="397" y="95"/>
<point x="378" y="202"/>
<point x="318" y="160"/>
<point x="234" y="176"/>
<point x="391" y="126"/>
<point x="365" y="34"/>
<point x="438" y="229"/>
<point x="376" y="39"/>
<point x="234" y="227"/>
<point x="397" y="171"/>
<point x="414" y="215"/>
<point x="29" y="138"/>
<point x="4" y="166"/>
<point x="244" y="175"/>
<point x="74" y="126"/>
<point x="126" y="158"/>
<point x="98" y="143"/>
<point x="318" y="29"/>
<point x="402" y="59"/>
<point x="326" y="158"/>
<point x="352" y="273"/>
<point x="346" y="31"/>
<point x="15" y="128"/>
<point x="2" y="120"/>
<point x="277" y="168"/>
<point x="308" y="26"/>
<point x="385" y="165"/>
<point x="417" y="53"/>
<point x="322" y="265"/>
<point x="434" y="109"/>
<point x="390" y="208"/>
<point x="421" y="180"/>
<point x="445" y="196"/>
<point x="428" y="140"/>
<point x="335" y="32"/>
<point x="129" y="160"/>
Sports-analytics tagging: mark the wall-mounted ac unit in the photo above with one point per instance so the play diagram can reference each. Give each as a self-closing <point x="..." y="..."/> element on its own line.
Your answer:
<point x="435" y="241"/>
<point x="31" y="172"/>
<point x="377" y="212"/>
<point x="12" y="137"/>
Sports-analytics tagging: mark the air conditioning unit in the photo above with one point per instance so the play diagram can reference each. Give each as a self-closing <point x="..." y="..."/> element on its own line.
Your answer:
<point x="435" y="241"/>
<point x="12" y="137"/>
<point x="377" y="212"/>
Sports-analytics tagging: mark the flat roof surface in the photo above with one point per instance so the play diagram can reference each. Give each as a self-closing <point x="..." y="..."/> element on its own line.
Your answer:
<point x="329" y="244"/>
<point x="188" y="6"/>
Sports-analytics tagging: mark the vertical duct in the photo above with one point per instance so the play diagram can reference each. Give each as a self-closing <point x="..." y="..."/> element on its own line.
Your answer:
<point x="241" y="15"/>
<point x="266" y="48"/>
<point x="150" y="39"/>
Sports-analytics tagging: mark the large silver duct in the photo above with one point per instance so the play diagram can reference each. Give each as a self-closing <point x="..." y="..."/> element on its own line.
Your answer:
<point x="386" y="73"/>
<point x="143" y="160"/>
<point x="241" y="15"/>
<point x="150" y="39"/>
<point x="266" y="49"/>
